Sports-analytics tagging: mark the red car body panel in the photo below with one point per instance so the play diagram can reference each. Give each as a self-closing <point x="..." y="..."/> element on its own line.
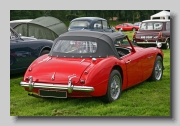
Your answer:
<point x="135" y="67"/>
<point x="98" y="72"/>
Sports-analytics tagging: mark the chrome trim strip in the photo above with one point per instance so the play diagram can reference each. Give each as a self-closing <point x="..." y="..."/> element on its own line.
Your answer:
<point x="45" y="60"/>
<point x="57" y="86"/>
<point x="149" y="42"/>
<point x="82" y="60"/>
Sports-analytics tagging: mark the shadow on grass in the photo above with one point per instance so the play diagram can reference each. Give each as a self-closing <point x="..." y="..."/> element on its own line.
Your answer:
<point x="75" y="101"/>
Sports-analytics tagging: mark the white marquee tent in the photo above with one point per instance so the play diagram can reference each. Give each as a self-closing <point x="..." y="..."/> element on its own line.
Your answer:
<point x="162" y="15"/>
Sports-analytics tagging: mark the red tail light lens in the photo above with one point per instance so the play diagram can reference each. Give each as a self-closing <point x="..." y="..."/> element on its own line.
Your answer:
<point x="160" y="35"/>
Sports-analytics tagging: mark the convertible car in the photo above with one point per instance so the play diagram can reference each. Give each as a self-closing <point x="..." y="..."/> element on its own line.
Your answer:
<point x="24" y="50"/>
<point x="92" y="64"/>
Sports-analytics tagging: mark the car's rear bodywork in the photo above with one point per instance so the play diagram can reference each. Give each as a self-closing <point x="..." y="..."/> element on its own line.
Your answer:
<point x="80" y="65"/>
<point x="153" y="31"/>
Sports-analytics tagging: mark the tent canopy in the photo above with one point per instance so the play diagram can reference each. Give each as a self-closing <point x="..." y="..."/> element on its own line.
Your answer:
<point x="45" y="27"/>
<point x="162" y="15"/>
<point x="16" y="22"/>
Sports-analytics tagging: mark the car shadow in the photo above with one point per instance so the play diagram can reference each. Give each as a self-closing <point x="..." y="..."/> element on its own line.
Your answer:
<point x="75" y="101"/>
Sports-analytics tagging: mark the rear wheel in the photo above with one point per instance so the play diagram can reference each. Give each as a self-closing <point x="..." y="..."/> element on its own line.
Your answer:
<point x="44" y="52"/>
<point x="120" y="29"/>
<point x="157" y="70"/>
<point x="133" y="29"/>
<point x="167" y="45"/>
<point x="114" y="87"/>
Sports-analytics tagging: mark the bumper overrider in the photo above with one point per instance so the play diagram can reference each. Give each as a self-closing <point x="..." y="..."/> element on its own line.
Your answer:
<point x="69" y="87"/>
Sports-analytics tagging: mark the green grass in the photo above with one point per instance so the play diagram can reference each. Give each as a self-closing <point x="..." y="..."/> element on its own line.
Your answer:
<point x="145" y="99"/>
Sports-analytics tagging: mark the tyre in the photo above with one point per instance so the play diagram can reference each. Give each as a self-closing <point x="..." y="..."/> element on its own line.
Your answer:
<point x="133" y="29"/>
<point x="157" y="70"/>
<point x="167" y="45"/>
<point x="114" y="87"/>
<point x="44" y="52"/>
<point x="120" y="29"/>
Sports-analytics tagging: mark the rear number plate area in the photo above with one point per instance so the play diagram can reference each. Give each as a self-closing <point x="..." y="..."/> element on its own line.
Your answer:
<point x="53" y="93"/>
<point x="146" y="37"/>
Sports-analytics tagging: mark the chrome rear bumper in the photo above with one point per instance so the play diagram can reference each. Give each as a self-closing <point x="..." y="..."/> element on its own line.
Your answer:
<point x="69" y="88"/>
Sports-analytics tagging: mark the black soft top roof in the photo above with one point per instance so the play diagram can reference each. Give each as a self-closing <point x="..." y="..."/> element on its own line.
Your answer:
<point x="104" y="40"/>
<point x="108" y="37"/>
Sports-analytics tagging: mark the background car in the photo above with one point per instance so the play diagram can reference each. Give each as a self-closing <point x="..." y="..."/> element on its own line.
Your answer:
<point x="137" y="24"/>
<point x="90" y="23"/>
<point x="13" y="58"/>
<point x="126" y="27"/>
<point x="24" y="50"/>
<point x="153" y="31"/>
<point x="92" y="64"/>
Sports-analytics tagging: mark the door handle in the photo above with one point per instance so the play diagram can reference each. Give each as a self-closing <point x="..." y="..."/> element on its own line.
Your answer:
<point x="128" y="61"/>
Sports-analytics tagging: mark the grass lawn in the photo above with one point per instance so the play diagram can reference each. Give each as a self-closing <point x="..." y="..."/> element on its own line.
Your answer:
<point x="145" y="99"/>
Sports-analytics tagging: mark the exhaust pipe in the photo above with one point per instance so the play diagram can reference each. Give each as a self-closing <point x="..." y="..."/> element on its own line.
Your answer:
<point x="33" y="95"/>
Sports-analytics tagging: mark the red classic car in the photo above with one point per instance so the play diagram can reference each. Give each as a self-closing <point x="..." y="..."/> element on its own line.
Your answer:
<point x="153" y="31"/>
<point x="126" y="27"/>
<point x="92" y="64"/>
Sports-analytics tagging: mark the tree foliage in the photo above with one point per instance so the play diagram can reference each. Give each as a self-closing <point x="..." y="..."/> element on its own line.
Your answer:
<point x="68" y="15"/>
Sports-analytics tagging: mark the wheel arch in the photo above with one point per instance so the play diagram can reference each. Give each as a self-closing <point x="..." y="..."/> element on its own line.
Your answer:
<point x="44" y="48"/>
<point x="117" y="67"/>
<point x="159" y="54"/>
<point x="151" y="78"/>
<point x="168" y="38"/>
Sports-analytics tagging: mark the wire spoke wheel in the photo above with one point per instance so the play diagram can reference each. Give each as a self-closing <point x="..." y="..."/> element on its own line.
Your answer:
<point x="115" y="87"/>
<point x="158" y="70"/>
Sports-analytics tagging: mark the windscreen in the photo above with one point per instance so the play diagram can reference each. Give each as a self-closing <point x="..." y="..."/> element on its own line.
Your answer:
<point x="79" y="24"/>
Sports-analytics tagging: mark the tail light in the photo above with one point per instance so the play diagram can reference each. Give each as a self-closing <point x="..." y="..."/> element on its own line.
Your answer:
<point x="160" y="35"/>
<point x="134" y="35"/>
